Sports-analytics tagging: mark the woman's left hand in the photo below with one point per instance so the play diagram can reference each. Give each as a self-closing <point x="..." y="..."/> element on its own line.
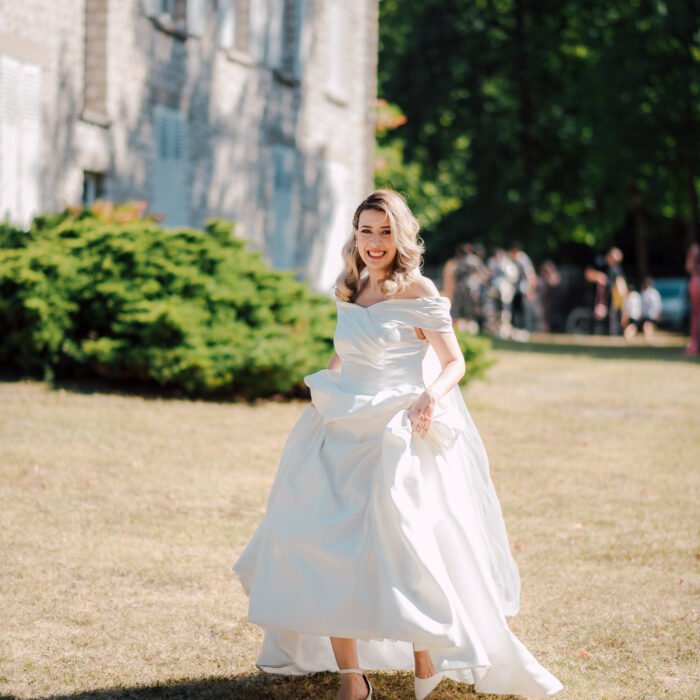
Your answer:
<point x="421" y="413"/>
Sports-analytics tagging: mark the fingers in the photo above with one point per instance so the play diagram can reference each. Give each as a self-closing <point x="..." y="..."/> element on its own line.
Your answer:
<point x="420" y="424"/>
<point x="420" y="415"/>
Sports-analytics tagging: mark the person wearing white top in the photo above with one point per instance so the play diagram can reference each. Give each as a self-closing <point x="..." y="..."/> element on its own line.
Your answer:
<point x="631" y="314"/>
<point x="651" y="307"/>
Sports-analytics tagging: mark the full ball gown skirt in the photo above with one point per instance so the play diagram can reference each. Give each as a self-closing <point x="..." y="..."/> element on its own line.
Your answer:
<point x="374" y="533"/>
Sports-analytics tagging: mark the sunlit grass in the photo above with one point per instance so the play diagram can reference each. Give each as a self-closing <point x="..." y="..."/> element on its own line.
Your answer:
<point x="121" y="517"/>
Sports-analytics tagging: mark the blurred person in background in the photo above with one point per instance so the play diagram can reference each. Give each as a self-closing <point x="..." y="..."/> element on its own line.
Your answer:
<point x="631" y="314"/>
<point x="651" y="307"/>
<point x="464" y="276"/>
<point x="692" y="266"/>
<point x="611" y="289"/>
<point x="548" y="298"/>
<point x="457" y="286"/>
<point x="525" y="292"/>
<point x="478" y="283"/>
<point x="498" y="301"/>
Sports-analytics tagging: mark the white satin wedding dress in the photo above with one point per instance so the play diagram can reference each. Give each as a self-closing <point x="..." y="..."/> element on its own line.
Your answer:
<point x="374" y="533"/>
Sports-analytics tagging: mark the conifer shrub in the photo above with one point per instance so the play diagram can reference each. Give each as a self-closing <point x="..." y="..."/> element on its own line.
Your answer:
<point x="108" y="293"/>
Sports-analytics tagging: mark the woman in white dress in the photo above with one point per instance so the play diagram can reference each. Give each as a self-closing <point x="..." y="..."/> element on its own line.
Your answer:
<point x="383" y="545"/>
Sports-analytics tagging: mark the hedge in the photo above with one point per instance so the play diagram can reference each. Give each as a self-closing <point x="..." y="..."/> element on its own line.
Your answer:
<point x="107" y="293"/>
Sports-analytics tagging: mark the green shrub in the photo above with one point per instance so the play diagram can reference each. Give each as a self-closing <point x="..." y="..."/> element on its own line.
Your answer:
<point x="476" y="355"/>
<point x="86" y="294"/>
<point x="108" y="293"/>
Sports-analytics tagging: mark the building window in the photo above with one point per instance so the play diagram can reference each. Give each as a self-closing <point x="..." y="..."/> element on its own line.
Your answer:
<point x="169" y="185"/>
<point x="95" y="77"/>
<point x="264" y="31"/>
<point x="227" y="22"/>
<point x="93" y="187"/>
<point x="283" y="38"/>
<point x="233" y="23"/>
<point x="197" y="17"/>
<point x="172" y="12"/>
<point x="178" y="17"/>
<point x="243" y="25"/>
<point x="281" y="238"/>
<point x="258" y="25"/>
<point x="20" y="140"/>
<point x="292" y="39"/>
<point x="338" y="50"/>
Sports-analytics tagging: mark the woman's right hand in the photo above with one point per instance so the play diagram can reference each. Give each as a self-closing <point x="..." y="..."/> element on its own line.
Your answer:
<point x="421" y="413"/>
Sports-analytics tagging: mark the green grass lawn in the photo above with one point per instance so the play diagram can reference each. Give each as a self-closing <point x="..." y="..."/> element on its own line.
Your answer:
<point x="121" y="517"/>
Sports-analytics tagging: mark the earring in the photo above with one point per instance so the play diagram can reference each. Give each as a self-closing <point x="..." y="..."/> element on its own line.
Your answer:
<point x="355" y="243"/>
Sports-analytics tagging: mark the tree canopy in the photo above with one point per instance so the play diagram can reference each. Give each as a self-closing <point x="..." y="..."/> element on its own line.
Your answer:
<point x="563" y="125"/>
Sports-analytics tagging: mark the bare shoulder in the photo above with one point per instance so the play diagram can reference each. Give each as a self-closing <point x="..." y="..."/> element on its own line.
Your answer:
<point x="422" y="287"/>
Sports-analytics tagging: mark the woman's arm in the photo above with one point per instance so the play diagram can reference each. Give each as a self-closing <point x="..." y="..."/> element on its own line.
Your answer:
<point x="453" y="367"/>
<point x="334" y="364"/>
<point x="451" y="360"/>
<point x="596" y="276"/>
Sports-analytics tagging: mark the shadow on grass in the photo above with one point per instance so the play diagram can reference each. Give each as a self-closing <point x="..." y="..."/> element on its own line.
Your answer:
<point x="261" y="686"/>
<point x="596" y="347"/>
<point x="143" y="390"/>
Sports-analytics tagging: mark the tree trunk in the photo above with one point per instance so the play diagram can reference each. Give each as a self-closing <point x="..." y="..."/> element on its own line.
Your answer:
<point x="636" y="205"/>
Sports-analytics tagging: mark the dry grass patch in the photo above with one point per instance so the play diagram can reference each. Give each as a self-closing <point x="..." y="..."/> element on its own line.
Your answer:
<point x="121" y="517"/>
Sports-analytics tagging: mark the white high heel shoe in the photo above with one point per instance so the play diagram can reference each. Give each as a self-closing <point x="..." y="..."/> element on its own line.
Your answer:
<point x="361" y="673"/>
<point x="424" y="686"/>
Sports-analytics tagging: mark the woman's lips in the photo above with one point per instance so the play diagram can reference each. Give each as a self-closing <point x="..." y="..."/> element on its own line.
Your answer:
<point x="376" y="254"/>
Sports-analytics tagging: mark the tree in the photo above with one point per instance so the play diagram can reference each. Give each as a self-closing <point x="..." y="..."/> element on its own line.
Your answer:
<point x="553" y="123"/>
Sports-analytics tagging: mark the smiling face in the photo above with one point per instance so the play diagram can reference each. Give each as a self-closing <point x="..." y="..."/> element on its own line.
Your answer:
<point x="375" y="244"/>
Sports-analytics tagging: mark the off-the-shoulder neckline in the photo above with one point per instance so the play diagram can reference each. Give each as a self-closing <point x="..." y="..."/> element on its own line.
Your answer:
<point x="389" y="301"/>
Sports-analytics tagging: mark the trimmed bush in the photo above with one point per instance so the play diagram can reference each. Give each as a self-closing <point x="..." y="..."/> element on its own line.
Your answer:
<point x="88" y="294"/>
<point x="107" y="293"/>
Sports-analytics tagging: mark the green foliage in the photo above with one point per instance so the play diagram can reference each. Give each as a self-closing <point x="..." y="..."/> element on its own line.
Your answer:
<point x="551" y="123"/>
<point x="430" y="199"/>
<point x="106" y="293"/>
<point x="476" y="351"/>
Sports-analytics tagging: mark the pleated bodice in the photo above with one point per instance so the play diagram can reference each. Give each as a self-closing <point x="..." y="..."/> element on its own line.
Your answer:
<point x="378" y="345"/>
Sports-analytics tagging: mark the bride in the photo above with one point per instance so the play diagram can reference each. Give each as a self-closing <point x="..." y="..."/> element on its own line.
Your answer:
<point x="383" y="545"/>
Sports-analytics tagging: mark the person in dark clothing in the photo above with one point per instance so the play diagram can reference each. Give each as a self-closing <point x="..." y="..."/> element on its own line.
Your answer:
<point x="548" y="301"/>
<point x="611" y="290"/>
<point x="464" y="277"/>
<point x="525" y="291"/>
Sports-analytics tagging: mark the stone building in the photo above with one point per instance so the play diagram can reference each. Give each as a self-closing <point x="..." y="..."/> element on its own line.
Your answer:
<point x="258" y="111"/>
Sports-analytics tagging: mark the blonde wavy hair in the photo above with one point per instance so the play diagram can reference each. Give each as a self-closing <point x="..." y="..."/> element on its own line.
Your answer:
<point x="405" y="267"/>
